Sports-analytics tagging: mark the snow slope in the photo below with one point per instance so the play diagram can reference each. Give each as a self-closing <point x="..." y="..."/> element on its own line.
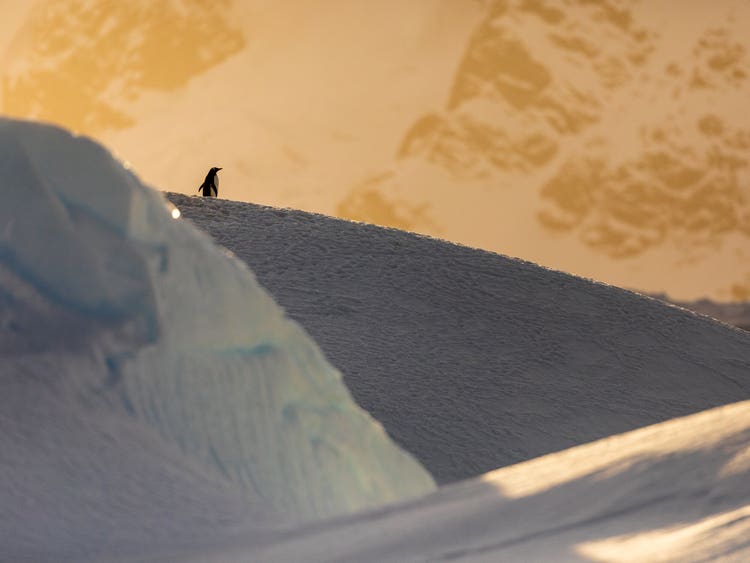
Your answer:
<point x="124" y="311"/>
<point x="678" y="491"/>
<point x="81" y="483"/>
<point x="156" y="404"/>
<point x="472" y="360"/>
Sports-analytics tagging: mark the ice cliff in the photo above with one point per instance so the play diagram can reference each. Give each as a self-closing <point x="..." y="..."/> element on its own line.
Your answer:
<point x="134" y="312"/>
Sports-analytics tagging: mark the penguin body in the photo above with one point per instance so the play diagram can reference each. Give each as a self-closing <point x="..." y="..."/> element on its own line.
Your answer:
<point x="210" y="186"/>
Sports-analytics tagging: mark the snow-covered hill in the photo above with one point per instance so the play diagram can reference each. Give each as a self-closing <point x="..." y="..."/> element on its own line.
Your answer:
<point x="601" y="138"/>
<point x="472" y="360"/>
<point x="674" y="492"/>
<point x="158" y="405"/>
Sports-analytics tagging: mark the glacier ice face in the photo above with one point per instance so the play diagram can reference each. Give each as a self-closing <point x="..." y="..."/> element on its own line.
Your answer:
<point x="138" y="313"/>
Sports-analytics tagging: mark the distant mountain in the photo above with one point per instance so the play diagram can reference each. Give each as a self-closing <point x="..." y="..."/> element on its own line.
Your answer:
<point x="83" y="64"/>
<point x="588" y="128"/>
<point x="294" y="100"/>
<point x="607" y="138"/>
<point x="736" y="314"/>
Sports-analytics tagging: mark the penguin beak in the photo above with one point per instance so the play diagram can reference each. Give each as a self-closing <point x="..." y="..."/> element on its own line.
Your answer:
<point x="219" y="169"/>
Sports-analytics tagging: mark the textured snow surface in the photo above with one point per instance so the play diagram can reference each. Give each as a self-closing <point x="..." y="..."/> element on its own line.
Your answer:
<point x="674" y="492"/>
<point x="112" y="305"/>
<point x="156" y="405"/>
<point x="472" y="360"/>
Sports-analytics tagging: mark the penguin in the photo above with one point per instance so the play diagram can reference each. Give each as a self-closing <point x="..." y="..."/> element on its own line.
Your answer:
<point x="210" y="186"/>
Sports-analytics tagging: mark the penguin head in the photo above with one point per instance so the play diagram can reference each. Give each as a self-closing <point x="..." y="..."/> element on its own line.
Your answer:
<point x="214" y="170"/>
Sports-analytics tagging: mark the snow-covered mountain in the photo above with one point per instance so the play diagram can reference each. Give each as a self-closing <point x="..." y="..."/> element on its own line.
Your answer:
<point x="271" y="91"/>
<point x="604" y="138"/>
<point x="158" y="405"/>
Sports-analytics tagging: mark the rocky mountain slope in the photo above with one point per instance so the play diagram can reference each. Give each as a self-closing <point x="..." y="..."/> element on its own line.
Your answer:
<point x="607" y="139"/>
<point x="590" y="137"/>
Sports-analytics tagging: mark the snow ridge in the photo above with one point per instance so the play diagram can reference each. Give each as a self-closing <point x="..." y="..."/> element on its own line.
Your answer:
<point x="158" y="324"/>
<point x="472" y="360"/>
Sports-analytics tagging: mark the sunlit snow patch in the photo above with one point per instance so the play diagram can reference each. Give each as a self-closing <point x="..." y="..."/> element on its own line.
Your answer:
<point x="145" y="315"/>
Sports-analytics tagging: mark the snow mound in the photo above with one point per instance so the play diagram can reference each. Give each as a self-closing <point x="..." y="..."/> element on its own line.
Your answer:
<point x="676" y="491"/>
<point x="80" y="483"/>
<point x="126" y="309"/>
<point x="472" y="360"/>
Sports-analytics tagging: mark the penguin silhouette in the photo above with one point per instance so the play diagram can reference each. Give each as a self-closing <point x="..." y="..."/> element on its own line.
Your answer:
<point x="210" y="186"/>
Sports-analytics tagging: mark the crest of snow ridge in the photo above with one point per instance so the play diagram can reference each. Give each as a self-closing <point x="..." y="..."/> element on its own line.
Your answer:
<point x="176" y="333"/>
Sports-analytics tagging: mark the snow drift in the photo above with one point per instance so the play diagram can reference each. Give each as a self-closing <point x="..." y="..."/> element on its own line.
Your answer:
<point x="673" y="492"/>
<point x="472" y="360"/>
<point x="124" y="309"/>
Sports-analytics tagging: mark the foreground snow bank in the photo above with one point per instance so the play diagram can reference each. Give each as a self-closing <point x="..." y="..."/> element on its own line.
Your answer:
<point x="121" y="307"/>
<point x="676" y="491"/>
